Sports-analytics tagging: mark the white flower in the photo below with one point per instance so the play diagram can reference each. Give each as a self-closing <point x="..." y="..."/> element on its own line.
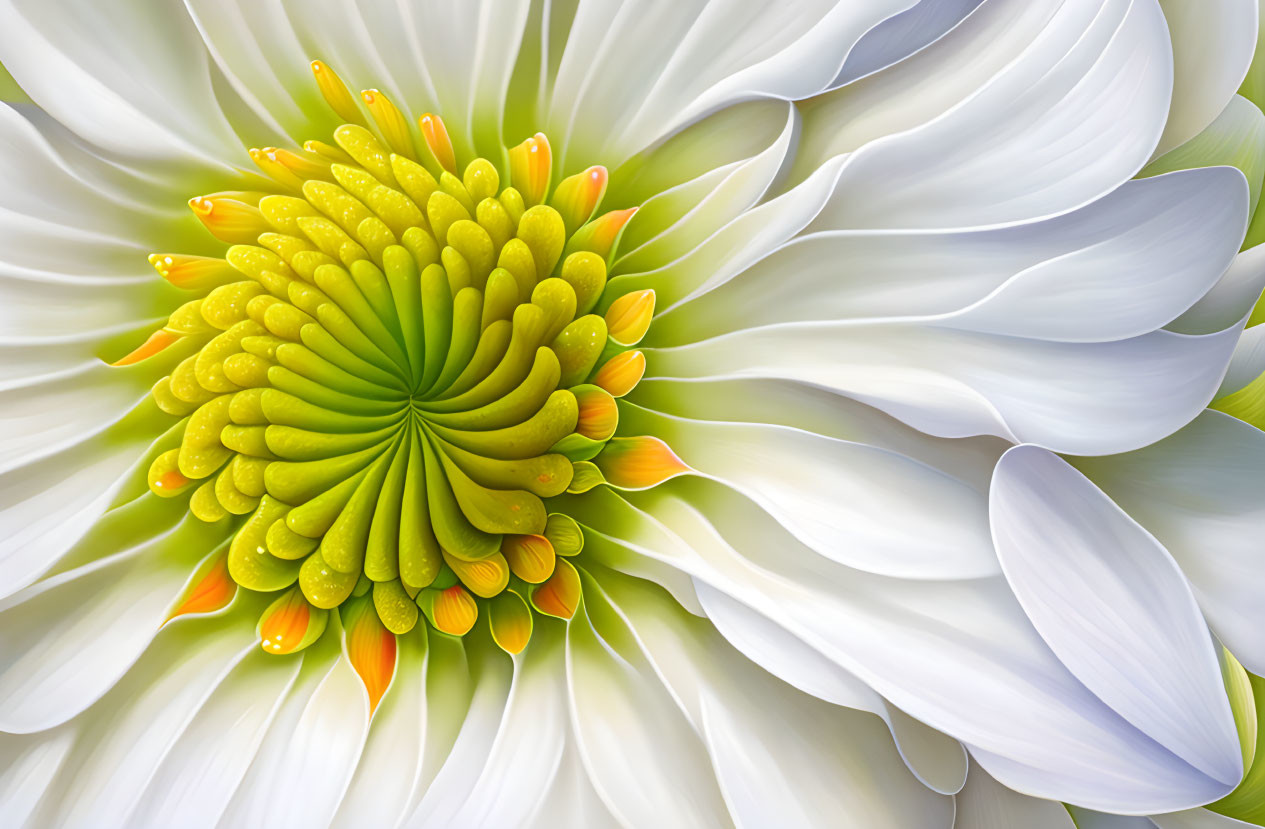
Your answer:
<point x="931" y="363"/>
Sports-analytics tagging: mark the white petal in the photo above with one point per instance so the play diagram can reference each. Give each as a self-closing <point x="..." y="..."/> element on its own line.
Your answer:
<point x="630" y="75"/>
<point x="1119" y="267"/>
<point x="1248" y="362"/>
<point x="206" y="764"/>
<point x="776" y="752"/>
<point x="958" y="655"/>
<point x="72" y="636"/>
<point x="986" y="804"/>
<point x="1114" y="607"/>
<point x="572" y="799"/>
<point x="121" y="742"/>
<point x="28" y="764"/>
<point x="860" y="505"/>
<point x="1077" y="114"/>
<point x="507" y="791"/>
<point x="310" y="752"/>
<point x="1089" y="819"/>
<point x="134" y="81"/>
<point x="737" y="245"/>
<point x="386" y="782"/>
<point x="1197" y="819"/>
<point x="938" y="761"/>
<point x="1093" y="398"/>
<point x="902" y="35"/>
<point x="1212" y="49"/>
<point x="727" y="196"/>
<point x="1230" y="299"/>
<point x="642" y="755"/>
<point x="1199" y="493"/>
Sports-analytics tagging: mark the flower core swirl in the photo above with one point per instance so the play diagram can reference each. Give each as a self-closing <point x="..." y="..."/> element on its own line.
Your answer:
<point x="396" y="367"/>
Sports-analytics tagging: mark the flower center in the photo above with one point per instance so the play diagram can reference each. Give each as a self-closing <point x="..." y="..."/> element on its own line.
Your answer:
<point x="396" y="367"/>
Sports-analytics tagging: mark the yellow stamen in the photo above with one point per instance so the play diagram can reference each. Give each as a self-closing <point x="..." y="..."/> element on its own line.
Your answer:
<point x="599" y="414"/>
<point x="455" y="611"/>
<point x="229" y="218"/>
<point x="602" y="234"/>
<point x="577" y="196"/>
<point x="193" y="273"/>
<point x="511" y="622"/>
<point x="390" y="122"/>
<point x="621" y="373"/>
<point x="485" y="578"/>
<point x="628" y="318"/>
<point x="531" y="164"/>
<point x="531" y="557"/>
<point x="336" y="93"/>
<point x="266" y="160"/>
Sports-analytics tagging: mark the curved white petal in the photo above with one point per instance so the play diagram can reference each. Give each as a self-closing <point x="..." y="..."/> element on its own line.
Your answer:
<point x="984" y="803"/>
<point x="864" y="506"/>
<point x="1212" y="49"/>
<point x="1248" y="362"/>
<point x="1199" y="493"/>
<point x="306" y="760"/>
<point x="641" y="771"/>
<point x="386" y="778"/>
<point x="1092" y="398"/>
<point x="902" y="35"/>
<point x="631" y="74"/>
<point x="508" y="791"/>
<point x="1197" y="819"/>
<point x="200" y="772"/>
<point x="727" y="196"/>
<point x="938" y="761"/>
<point x="151" y="99"/>
<point x="572" y="800"/>
<point x="958" y="655"/>
<point x="1089" y="819"/>
<point x="1119" y="267"/>
<point x="120" y="743"/>
<point x="1114" y="607"/>
<point x="1230" y="299"/>
<point x="70" y="637"/>
<point x="808" y="763"/>
<point x="1074" y="116"/>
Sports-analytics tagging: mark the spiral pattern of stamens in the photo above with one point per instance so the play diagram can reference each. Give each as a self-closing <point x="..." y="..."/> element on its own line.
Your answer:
<point x="396" y="369"/>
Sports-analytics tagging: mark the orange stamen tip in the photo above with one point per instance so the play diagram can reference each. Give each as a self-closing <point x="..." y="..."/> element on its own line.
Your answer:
<point x="531" y="164"/>
<point x="371" y="648"/>
<point x="202" y="205"/>
<point x="317" y="66"/>
<point x="560" y="595"/>
<point x="639" y="463"/>
<point x="628" y="318"/>
<point x="160" y="339"/>
<point x="290" y="624"/>
<point x="599" y="414"/>
<point x="369" y="95"/>
<point x="531" y="557"/>
<point x="455" y="611"/>
<point x="209" y="589"/>
<point x="435" y="133"/>
<point x="621" y="373"/>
